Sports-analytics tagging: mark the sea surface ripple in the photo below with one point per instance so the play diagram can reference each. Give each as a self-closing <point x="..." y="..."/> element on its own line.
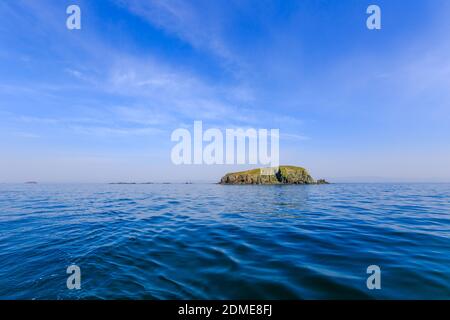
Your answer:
<point x="208" y="241"/>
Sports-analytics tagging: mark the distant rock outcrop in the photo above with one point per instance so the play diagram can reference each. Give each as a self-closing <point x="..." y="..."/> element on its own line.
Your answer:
<point x="279" y="175"/>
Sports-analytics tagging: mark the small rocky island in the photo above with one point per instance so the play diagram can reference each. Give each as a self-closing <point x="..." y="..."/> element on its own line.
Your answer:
<point x="278" y="175"/>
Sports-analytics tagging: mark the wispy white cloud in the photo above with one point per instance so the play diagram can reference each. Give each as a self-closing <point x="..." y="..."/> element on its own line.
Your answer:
<point x="169" y="93"/>
<point x="196" y="25"/>
<point x="293" y="136"/>
<point x="26" y="135"/>
<point x="57" y="121"/>
<point x="159" y="93"/>
<point x="143" y="115"/>
<point x="116" y="132"/>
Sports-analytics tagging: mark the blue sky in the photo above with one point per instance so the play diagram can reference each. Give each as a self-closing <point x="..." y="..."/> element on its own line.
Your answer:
<point x="99" y="104"/>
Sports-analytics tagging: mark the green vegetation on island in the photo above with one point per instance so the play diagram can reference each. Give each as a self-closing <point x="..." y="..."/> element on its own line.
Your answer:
<point x="278" y="175"/>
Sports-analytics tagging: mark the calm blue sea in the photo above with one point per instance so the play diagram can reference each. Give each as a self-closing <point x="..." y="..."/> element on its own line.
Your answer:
<point x="207" y="241"/>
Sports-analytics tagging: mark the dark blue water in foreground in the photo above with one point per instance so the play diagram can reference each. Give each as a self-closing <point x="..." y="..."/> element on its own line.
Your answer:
<point x="220" y="242"/>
